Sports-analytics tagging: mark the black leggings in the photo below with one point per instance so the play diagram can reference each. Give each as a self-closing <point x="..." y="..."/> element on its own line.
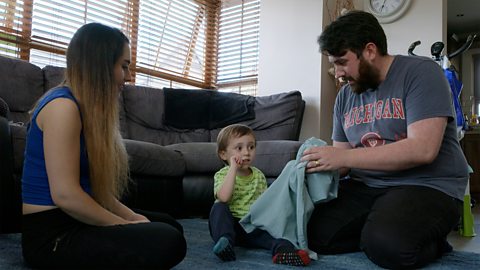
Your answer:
<point x="396" y="227"/>
<point x="53" y="239"/>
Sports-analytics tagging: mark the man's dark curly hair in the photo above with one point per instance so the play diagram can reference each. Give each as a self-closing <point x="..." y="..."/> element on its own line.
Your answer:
<point x="352" y="31"/>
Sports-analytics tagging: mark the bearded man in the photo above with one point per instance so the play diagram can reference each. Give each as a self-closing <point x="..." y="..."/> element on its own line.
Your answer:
<point x="395" y="141"/>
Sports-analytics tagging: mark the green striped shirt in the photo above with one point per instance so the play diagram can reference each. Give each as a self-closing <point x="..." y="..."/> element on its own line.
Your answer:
<point x="246" y="191"/>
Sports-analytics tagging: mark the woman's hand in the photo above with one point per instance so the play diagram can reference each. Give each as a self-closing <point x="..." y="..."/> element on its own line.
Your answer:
<point x="137" y="218"/>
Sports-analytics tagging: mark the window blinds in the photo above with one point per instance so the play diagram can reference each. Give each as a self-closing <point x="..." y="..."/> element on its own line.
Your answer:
<point x="238" y="46"/>
<point x="175" y="43"/>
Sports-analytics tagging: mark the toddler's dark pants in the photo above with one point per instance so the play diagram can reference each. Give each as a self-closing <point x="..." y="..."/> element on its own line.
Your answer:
<point x="223" y="223"/>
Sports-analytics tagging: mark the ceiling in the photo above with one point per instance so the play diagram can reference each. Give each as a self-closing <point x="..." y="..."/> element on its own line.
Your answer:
<point x="463" y="17"/>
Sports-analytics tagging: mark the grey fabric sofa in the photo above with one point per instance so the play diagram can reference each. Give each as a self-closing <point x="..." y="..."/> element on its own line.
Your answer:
<point x="171" y="167"/>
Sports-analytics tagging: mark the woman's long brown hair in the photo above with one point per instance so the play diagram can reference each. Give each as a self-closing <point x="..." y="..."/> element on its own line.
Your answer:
<point x="91" y="57"/>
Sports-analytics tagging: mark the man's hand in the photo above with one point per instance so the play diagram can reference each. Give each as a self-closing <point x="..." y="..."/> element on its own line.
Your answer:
<point x="323" y="158"/>
<point x="420" y="147"/>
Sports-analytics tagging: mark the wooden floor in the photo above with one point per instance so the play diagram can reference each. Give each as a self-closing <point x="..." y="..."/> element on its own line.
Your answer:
<point x="463" y="243"/>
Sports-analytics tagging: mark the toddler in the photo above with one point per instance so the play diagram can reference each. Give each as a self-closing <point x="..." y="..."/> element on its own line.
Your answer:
<point x="237" y="186"/>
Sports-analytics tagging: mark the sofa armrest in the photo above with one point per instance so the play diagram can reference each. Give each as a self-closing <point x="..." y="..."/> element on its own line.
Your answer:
<point x="18" y="133"/>
<point x="153" y="159"/>
<point x="9" y="202"/>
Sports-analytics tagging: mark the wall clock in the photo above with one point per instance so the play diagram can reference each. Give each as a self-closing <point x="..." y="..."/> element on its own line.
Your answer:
<point x="387" y="11"/>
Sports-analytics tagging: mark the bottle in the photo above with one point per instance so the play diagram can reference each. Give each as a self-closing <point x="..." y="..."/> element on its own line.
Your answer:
<point x="466" y="122"/>
<point x="474" y="121"/>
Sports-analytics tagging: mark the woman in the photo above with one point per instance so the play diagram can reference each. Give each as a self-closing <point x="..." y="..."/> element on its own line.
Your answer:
<point x="76" y="168"/>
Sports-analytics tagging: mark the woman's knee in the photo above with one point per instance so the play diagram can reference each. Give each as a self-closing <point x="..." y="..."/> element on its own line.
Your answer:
<point x="178" y="247"/>
<point x="167" y="247"/>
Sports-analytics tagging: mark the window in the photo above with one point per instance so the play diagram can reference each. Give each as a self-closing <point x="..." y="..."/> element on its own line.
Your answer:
<point x="175" y="43"/>
<point x="172" y="41"/>
<point x="14" y="31"/>
<point x="238" y="46"/>
<point x="55" y="21"/>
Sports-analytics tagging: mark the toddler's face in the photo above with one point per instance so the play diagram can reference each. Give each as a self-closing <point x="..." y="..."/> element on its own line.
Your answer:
<point x="242" y="149"/>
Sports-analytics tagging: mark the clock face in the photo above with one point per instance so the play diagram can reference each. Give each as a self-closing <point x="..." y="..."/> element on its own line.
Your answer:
<point x="387" y="10"/>
<point x="385" y="7"/>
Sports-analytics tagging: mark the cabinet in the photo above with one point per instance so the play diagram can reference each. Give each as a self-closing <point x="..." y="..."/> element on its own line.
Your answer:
<point x="471" y="148"/>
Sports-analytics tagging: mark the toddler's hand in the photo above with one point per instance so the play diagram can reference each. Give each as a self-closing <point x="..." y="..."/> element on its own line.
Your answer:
<point x="235" y="161"/>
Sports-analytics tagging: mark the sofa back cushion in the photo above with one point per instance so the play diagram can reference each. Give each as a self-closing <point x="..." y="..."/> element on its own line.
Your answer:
<point x="22" y="85"/>
<point x="277" y="117"/>
<point x="142" y="114"/>
<point x="142" y="117"/>
<point x="53" y="76"/>
<point x="207" y="109"/>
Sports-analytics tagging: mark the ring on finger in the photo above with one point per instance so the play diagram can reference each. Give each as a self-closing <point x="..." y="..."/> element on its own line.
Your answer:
<point x="317" y="163"/>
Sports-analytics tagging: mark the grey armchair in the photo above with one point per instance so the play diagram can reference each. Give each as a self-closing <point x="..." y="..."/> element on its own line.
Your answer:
<point x="10" y="206"/>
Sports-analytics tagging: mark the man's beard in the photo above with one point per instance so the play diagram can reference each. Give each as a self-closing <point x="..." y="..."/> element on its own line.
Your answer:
<point x="368" y="77"/>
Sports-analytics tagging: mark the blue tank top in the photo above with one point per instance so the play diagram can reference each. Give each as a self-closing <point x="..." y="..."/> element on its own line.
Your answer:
<point x="35" y="187"/>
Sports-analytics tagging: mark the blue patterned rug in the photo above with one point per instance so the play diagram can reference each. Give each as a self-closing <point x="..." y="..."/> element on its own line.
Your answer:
<point x="200" y="256"/>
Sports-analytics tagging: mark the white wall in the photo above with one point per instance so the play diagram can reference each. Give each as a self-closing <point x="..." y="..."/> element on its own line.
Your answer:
<point x="468" y="78"/>
<point x="289" y="58"/>
<point x="425" y="20"/>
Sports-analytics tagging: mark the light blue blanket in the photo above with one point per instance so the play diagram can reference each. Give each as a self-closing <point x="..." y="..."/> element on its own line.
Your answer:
<point x="286" y="206"/>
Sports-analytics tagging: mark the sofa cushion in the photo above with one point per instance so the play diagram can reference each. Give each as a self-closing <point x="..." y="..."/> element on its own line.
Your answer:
<point x="271" y="156"/>
<point x="208" y="109"/>
<point x="22" y="85"/>
<point x="198" y="194"/>
<point x="277" y="117"/>
<point x="200" y="157"/>
<point x="141" y="118"/>
<point x="135" y="131"/>
<point x="153" y="159"/>
<point x="142" y="105"/>
<point x="53" y="76"/>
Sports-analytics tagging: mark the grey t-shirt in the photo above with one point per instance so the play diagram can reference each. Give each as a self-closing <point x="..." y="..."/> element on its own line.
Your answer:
<point x="414" y="89"/>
